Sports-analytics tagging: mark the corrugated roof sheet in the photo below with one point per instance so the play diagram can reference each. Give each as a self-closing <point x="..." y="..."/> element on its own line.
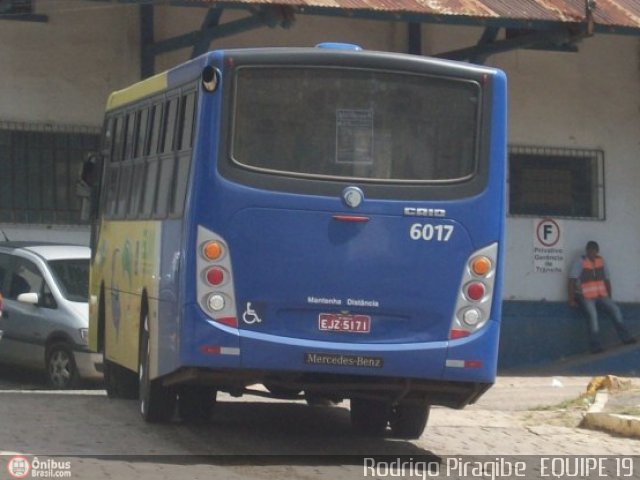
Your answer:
<point x="609" y="15"/>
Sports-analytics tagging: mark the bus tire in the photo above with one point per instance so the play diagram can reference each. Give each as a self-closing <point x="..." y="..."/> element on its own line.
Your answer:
<point x="369" y="417"/>
<point x="109" y="379"/>
<point x="283" y="392"/>
<point x="157" y="403"/>
<point x="408" y="420"/>
<point x="195" y="403"/>
<point x="120" y="382"/>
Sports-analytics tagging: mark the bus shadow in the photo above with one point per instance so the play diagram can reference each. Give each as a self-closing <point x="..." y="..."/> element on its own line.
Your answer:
<point x="251" y="433"/>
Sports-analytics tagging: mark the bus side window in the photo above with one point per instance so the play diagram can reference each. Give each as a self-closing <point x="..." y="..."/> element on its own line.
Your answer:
<point x="125" y="188"/>
<point x="126" y="167"/>
<point x="150" y="178"/>
<point x="185" y="131"/>
<point x="130" y="137"/>
<point x="185" y="137"/>
<point x="150" y="184"/>
<point x="137" y="188"/>
<point x="113" y="168"/>
<point x="143" y="117"/>
<point x="137" y="177"/>
<point x="166" y="174"/>
<point x="155" y="115"/>
<point x="168" y="132"/>
<point x="118" y="139"/>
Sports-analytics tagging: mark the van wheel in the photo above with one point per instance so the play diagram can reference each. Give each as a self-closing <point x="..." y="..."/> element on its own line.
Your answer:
<point x="369" y="417"/>
<point x="157" y="403"/>
<point x="195" y="403"/>
<point x="62" y="372"/>
<point x="408" y="420"/>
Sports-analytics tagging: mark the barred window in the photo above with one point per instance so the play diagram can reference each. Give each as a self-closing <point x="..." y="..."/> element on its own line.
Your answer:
<point x="558" y="182"/>
<point x="39" y="167"/>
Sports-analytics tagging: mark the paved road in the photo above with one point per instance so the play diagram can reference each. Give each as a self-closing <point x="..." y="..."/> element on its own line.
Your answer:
<point x="98" y="435"/>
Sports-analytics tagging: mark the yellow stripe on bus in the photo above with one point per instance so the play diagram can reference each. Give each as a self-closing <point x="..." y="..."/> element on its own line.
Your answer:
<point x="139" y="90"/>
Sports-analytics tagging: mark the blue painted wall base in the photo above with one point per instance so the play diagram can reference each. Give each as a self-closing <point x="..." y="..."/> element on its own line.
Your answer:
<point x="539" y="335"/>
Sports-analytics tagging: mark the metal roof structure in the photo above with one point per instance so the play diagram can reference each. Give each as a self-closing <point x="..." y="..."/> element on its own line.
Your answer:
<point x="609" y="16"/>
<point x="508" y="24"/>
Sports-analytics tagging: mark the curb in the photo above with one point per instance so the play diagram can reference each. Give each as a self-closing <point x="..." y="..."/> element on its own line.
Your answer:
<point x="596" y="419"/>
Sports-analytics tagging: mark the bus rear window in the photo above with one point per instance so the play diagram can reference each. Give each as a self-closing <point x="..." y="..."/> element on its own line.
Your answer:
<point x="355" y="124"/>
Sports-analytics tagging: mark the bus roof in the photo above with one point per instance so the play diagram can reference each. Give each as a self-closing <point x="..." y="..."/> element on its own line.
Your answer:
<point x="147" y="87"/>
<point x="158" y="83"/>
<point x="190" y="70"/>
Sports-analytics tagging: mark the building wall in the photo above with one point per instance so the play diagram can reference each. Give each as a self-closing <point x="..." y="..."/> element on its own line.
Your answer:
<point x="61" y="71"/>
<point x="591" y="100"/>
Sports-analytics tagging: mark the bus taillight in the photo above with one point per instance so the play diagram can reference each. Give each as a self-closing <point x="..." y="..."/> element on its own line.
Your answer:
<point x="215" y="290"/>
<point x="481" y="266"/>
<point x="472" y="317"/>
<point x="216" y="302"/>
<point x="475" y="291"/>
<point x="212" y="250"/>
<point x="475" y="296"/>
<point x="215" y="276"/>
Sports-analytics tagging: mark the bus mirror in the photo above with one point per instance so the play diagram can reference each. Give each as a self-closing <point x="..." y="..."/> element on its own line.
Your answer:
<point x="210" y="78"/>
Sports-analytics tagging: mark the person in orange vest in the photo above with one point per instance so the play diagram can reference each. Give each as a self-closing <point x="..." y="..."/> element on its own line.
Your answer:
<point x="590" y="287"/>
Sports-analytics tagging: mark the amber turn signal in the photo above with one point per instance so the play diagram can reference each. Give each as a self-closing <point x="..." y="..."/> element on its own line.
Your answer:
<point x="212" y="250"/>
<point x="481" y="266"/>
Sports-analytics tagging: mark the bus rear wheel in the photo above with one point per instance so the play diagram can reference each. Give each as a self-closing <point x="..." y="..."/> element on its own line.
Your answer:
<point x="408" y="420"/>
<point x="120" y="382"/>
<point x="157" y="403"/>
<point x="195" y="403"/>
<point x="369" y="417"/>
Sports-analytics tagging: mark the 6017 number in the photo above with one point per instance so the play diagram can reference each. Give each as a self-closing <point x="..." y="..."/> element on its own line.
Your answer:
<point x="429" y="232"/>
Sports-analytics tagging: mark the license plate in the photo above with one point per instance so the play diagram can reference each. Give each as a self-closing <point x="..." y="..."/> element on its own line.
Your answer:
<point x="338" y="322"/>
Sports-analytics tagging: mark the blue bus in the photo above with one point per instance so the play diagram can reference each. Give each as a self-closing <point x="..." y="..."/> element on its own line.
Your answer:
<point x="307" y="223"/>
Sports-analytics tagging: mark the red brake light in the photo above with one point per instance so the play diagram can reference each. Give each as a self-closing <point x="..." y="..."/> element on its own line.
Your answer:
<point x="351" y="218"/>
<point x="215" y="276"/>
<point x="475" y="291"/>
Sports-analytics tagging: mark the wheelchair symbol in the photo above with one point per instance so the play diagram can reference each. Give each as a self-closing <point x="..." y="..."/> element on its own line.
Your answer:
<point x="250" y="316"/>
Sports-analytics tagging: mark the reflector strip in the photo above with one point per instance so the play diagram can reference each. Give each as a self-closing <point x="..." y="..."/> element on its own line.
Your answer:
<point x="455" y="363"/>
<point x="463" y="363"/>
<point x="455" y="333"/>
<point x="230" y="321"/>
<point x="216" y="350"/>
<point x="229" y="351"/>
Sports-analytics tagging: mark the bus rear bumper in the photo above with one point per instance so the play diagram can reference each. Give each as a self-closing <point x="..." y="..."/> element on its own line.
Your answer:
<point x="452" y="373"/>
